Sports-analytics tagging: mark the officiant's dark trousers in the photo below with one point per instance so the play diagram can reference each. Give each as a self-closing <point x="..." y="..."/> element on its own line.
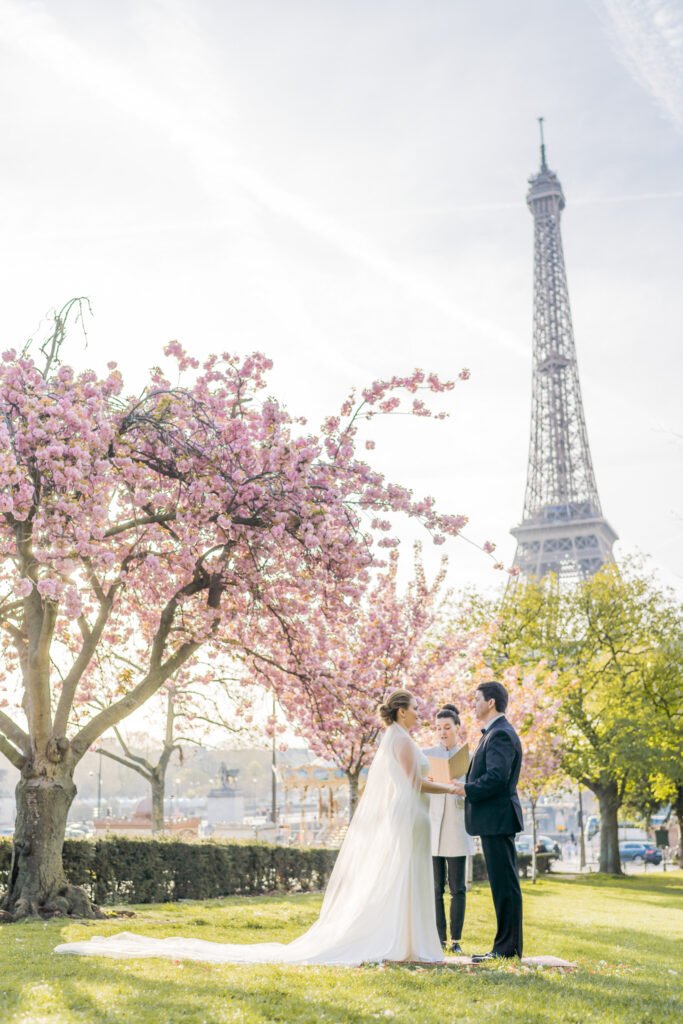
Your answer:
<point x="501" y="867"/>
<point x="452" y="868"/>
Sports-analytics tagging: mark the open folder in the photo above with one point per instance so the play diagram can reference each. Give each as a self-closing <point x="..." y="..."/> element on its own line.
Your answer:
<point x="444" y="769"/>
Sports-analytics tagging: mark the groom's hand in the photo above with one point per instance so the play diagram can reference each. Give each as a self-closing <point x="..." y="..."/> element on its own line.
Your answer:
<point x="458" y="788"/>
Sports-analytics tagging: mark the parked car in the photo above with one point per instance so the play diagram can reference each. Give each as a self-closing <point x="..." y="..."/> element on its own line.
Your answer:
<point x="640" y="853"/>
<point x="524" y="844"/>
<point x="79" y="830"/>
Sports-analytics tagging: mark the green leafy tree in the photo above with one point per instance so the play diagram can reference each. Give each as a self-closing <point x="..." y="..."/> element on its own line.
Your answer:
<point x="663" y="687"/>
<point x="608" y="640"/>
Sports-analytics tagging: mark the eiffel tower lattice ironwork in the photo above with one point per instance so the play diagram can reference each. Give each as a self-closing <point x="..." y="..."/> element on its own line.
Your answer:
<point x="563" y="529"/>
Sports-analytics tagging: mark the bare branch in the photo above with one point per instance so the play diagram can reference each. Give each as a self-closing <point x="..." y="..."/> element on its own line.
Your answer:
<point x="52" y="345"/>
<point x="9" y="607"/>
<point x="148" y="686"/>
<point x="94" y="582"/>
<point x="198" y="583"/>
<point x="132" y="757"/>
<point x="84" y="627"/>
<point x="128" y="764"/>
<point x="11" y="753"/>
<point x="79" y="666"/>
<point x="14" y="733"/>
<point x="130" y="524"/>
<point x="17" y="634"/>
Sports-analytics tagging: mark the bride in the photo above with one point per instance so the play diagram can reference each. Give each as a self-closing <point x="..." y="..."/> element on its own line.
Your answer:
<point x="379" y="902"/>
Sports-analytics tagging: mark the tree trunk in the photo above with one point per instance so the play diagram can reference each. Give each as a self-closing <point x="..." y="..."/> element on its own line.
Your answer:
<point x="37" y="883"/>
<point x="534" y="831"/>
<point x="353" y="792"/>
<point x="679" y="817"/>
<point x="158" y="788"/>
<point x="608" y="798"/>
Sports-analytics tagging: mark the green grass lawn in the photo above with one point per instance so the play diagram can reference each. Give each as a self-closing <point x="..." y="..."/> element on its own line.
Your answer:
<point x="626" y="936"/>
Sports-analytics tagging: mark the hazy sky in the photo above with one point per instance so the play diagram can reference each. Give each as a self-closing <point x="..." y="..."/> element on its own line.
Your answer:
<point x="342" y="185"/>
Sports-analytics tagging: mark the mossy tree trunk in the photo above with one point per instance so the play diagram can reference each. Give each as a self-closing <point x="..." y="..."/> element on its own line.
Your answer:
<point x="37" y="883"/>
<point x="158" y="784"/>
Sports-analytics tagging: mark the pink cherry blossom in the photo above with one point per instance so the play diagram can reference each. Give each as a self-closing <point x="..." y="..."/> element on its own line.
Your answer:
<point x="337" y="663"/>
<point x="140" y="530"/>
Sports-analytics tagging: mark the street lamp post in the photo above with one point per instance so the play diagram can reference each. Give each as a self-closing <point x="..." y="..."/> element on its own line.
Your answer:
<point x="99" y="787"/>
<point x="582" y="837"/>
<point x="273" y="782"/>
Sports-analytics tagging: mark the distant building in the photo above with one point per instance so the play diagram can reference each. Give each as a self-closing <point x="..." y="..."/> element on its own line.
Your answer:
<point x="140" y="824"/>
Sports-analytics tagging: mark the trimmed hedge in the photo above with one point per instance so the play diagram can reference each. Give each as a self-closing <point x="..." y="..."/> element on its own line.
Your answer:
<point x="543" y="862"/>
<point x="121" y="870"/>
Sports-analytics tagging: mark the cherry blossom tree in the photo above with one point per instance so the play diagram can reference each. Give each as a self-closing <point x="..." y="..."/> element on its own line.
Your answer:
<point x="161" y="524"/>
<point x="337" y="666"/>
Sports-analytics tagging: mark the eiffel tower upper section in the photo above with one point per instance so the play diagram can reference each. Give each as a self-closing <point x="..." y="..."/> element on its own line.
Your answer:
<point x="563" y="529"/>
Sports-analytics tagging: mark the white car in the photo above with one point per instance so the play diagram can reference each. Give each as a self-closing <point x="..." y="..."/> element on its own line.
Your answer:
<point x="524" y="844"/>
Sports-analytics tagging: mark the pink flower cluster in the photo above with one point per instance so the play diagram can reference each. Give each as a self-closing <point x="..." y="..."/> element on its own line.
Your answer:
<point x="338" y="663"/>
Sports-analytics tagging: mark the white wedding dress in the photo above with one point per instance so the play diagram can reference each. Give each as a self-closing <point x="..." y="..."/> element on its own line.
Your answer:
<point x="379" y="903"/>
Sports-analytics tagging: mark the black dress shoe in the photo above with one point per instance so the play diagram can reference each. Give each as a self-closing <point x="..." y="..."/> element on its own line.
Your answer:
<point x="455" y="947"/>
<point x="480" y="958"/>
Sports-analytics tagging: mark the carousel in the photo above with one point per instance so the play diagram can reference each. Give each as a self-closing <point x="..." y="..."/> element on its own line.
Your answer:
<point x="315" y="804"/>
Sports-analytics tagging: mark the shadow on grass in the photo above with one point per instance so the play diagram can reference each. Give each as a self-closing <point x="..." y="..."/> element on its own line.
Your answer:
<point x="265" y="999"/>
<point x="584" y="995"/>
<point x="294" y="995"/>
<point x="671" y="881"/>
<point x="660" y="890"/>
<point x="10" y="1001"/>
<point x="623" y="957"/>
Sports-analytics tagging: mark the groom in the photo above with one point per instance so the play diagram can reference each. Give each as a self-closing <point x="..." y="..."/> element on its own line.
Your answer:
<point x="493" y="811"/>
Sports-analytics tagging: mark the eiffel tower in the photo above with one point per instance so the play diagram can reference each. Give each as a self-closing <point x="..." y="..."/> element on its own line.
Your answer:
<point x="563" y="529"/>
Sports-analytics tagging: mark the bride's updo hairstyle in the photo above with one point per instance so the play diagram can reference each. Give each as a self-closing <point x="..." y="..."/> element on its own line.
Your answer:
<point x="449" y="711"/>
<point x="388" y="711"/>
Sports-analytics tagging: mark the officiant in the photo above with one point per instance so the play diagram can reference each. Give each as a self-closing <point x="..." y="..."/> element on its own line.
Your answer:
<point x="451" y="845"/>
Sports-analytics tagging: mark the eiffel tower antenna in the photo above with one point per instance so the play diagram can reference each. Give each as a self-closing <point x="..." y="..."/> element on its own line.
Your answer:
<point x="563" y="529"/>
<point x="544" y="166"/>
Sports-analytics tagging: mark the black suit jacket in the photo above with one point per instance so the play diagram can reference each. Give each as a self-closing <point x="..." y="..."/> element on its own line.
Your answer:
<point x="492" y="806"/>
